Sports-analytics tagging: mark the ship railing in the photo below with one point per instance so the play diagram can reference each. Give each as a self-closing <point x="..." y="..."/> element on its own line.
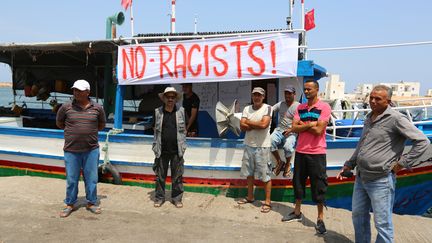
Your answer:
<point x="423" y="117"/>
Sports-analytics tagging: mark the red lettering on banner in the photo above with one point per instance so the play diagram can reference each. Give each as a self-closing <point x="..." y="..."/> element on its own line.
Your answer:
<point x="273" y="55"/>
<point x="258" y="60"/>
<point x="206" y="60"/>
<point x="238" y="45"/>
<point x="182" y="66"/>
<point x="163" y="63"/>
<point x="222" y="61"/>
<point x="141" y="50"/>
<point x="199" y="66"/>
<point x="128" y="61"/>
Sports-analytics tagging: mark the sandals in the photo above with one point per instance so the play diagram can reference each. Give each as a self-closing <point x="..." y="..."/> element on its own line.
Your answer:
<point x="178" y="204"/>
<point x="265" y="208"/>
<point x="245" y="200"/>
<point x="287" y="171"/>
<point x="66" y="211"/>
<point x="279" y="167"/>
<point x="158" y="204"/>
<point x="94" y="209"/>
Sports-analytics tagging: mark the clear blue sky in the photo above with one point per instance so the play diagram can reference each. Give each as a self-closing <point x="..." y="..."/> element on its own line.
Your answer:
<point x="339" y="23"/>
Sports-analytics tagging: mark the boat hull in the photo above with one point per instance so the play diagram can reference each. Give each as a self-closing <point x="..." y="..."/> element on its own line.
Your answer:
<point x="211" y="166"/>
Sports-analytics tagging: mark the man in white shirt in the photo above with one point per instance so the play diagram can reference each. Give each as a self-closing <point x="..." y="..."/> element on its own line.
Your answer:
<point x="256" y="157"/>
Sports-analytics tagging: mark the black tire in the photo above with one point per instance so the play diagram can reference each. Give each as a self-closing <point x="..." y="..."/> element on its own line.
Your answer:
<point x="109" y="168"/>
<point x="117" y="180"/>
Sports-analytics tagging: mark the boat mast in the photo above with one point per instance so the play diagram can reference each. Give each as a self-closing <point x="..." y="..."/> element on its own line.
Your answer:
<point x="173" y="20"/>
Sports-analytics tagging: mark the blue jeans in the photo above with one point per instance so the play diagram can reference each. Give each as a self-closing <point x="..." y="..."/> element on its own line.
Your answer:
<point x="278" y="140"/>
<point x="377" y="195"/>
<point x="88" y="161"/>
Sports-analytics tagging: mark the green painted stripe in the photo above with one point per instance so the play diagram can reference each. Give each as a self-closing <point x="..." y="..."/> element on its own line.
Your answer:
<point x="278" y="194"/>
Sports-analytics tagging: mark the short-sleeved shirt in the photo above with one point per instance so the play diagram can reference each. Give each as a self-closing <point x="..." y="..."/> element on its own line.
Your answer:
<point x="188" y="104"/>
<point x="257" y="137"/>
<point x="286" y="114"/>
<point x="307" y="142"/>
<point x="81" y="126"/>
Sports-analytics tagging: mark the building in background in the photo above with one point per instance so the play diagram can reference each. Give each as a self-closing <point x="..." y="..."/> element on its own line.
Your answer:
<point x="429" y="93"/>
<point x="405" y="89"/>
<point x="335" y="88"/>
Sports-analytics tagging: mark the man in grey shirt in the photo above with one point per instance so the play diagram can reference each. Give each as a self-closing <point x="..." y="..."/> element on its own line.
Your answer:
<point x="378" y="157"/>
<point x="282" y="137"/>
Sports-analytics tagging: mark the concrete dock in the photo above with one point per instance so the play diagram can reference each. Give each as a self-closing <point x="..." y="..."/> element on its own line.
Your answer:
<point x="30" y="209"/>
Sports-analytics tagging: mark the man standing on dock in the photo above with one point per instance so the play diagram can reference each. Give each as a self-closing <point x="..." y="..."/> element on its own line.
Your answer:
<point x="310" y="122"/>
<point x="282" y="135"/>
<point x="378" y="157"/>
<point x="169" y="146"/>
<point x="255" y="122"/>
<point x="81" y="120"/>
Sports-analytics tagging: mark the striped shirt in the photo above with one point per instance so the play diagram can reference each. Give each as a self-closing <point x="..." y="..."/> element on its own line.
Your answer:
<point x="81" y="126"/>
<point x="307" y="142"/>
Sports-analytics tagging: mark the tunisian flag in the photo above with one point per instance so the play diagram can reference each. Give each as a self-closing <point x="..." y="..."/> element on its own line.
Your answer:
<point x="126" y="3"/>
<point x="310" y="20"/>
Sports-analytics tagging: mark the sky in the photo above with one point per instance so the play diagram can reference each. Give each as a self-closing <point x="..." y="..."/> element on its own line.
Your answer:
<point x="338" y="24"/>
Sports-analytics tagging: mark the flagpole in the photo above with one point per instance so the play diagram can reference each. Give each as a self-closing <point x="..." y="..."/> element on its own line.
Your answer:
<point x="132" y="21"/>
<point x="304" y="31"/>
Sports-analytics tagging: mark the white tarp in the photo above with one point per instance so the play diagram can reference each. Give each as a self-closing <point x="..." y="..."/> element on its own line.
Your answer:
<point x="209" y="60"/>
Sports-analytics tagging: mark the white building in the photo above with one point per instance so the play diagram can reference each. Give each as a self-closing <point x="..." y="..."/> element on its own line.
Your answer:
<point x="404" y="89"/>
<point x="429" y="93"/>
<point x="401" y="89"/>
<point x="335" y="88"/>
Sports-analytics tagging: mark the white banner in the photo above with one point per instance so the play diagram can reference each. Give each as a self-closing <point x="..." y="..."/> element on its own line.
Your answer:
<point x="210" y="60"/>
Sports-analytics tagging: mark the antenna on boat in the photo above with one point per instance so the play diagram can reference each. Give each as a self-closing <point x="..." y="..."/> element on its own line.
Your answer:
<point x="289" y="18"/>
<point x="195" y="25"/>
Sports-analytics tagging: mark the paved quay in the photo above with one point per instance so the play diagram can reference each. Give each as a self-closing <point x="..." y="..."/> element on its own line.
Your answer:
<point x="30" y="207"/>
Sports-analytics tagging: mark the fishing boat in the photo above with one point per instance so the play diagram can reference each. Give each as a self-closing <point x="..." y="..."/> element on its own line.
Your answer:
<point x="31" y="145"/>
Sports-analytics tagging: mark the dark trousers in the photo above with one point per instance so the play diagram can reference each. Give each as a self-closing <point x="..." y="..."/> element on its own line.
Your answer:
<point x="160" y="168"/>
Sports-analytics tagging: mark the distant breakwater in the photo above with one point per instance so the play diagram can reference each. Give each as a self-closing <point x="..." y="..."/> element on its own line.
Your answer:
<point x="5" y="84"/>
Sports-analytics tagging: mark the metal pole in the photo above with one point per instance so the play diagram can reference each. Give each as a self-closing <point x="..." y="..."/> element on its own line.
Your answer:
<point x="304" y="31"/>
<point x="132" y="19"/>
<point x="173" y="16"/>
<point x="195" y="25"/>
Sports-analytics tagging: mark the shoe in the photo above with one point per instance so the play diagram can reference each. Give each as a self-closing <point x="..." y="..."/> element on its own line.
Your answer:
<point x="292" y="217"/>
<point x="320" y="227"/>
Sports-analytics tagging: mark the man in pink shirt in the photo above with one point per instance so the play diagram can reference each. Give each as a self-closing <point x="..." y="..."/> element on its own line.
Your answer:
<point x="310" y="122"/>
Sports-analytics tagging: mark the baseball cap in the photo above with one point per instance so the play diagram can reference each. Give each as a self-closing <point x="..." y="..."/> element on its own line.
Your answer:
<point x="290" y="88"/>
<point x="258" y="90"/>
<point x="81" y="84"/>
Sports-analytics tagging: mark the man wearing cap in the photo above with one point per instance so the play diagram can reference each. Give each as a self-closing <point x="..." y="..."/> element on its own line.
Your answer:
<point x="169" y="146"/>
<point x="282" y="135"/>
<point x="310" y="122"/>
<point x="191" y="104"/>
<point x="255" y="122"/>
<point x="81" y="120"/>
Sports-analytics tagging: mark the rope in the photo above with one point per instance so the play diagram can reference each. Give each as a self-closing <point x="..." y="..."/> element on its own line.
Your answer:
<point x="113" y="131"/>
<point x="371" y="46"/>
